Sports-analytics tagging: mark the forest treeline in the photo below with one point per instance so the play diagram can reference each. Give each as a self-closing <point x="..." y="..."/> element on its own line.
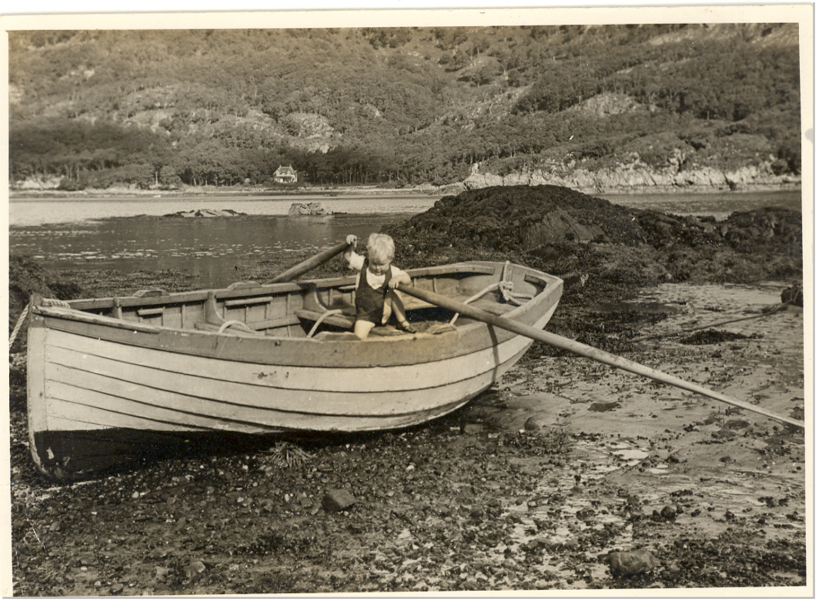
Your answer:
<point x="396" y="106"/>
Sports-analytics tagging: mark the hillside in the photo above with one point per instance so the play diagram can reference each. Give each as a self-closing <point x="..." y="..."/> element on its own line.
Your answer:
<point x="668" y="104"/>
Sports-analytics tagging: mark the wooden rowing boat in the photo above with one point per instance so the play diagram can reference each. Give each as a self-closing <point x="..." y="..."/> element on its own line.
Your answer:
<point x="114" y="379"/>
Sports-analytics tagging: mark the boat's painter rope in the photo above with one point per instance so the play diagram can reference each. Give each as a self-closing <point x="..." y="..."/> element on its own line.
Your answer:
<point x="19" y="324"/>
<point x="506" y="288"/>
<point x="24" y="314"/>
<point x="55" y="302"/>
<point x="475" y="297"/>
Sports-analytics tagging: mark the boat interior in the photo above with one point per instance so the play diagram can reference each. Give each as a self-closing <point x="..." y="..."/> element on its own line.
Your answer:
<point x="323" y="307"/>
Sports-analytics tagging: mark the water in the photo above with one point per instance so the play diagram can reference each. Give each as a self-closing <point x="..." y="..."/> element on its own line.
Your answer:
<point x="717" y="205"/>
<point x="42" y="211"/>
<point x="130" y="233"/>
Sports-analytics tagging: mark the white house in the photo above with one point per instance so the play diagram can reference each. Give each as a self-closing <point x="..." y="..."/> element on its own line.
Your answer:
<point x="285" y="175"/>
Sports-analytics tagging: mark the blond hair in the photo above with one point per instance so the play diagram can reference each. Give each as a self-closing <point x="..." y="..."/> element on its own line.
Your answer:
<point x="381" y="247"/>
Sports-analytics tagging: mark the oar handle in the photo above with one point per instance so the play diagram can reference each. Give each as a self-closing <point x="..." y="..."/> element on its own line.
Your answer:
<point x="584" y="350"/>
<point x="309" y="264"/>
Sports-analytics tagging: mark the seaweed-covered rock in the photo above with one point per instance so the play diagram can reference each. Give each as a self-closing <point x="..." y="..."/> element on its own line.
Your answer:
<point x="520" y="218"/>
<point x="26" y="276"/>
<point x="587" y="239"/>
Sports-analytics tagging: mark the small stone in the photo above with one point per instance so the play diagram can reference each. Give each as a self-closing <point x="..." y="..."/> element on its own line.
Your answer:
<point x="585" y="514"/>
<point x="569" y="545"/>
<point x="535" y="544"/>
<point x="533" y="424"/>
<point x="669" y="513"/>
<point x="336" y="500"/>
<point x="198" y="566"/>
<point x="622" y="564"/>
<point x="117" y="588"/>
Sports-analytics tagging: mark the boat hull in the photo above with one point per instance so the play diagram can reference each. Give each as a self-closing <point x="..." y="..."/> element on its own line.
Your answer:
<point x="102" y="394"/>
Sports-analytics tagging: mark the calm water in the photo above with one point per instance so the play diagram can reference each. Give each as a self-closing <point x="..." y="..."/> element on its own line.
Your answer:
<point x="716" y="205"/>
<point x="35" y="211"/>
<point x="130" y="234"/>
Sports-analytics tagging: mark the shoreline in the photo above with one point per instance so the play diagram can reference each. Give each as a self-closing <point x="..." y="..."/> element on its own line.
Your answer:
<point x="217" y="191"/>
<point x="323" y="192"/>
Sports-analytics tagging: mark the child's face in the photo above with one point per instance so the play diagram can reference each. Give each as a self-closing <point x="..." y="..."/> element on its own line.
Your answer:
<point x="378" y="266"/>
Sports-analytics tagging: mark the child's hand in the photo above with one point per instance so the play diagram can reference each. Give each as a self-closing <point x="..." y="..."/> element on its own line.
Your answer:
<point x="351" y="239"/>
<point x="393" y="284"/>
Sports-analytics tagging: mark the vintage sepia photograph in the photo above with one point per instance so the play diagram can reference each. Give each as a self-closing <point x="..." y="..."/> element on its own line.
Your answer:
<point x="473" y="301"/>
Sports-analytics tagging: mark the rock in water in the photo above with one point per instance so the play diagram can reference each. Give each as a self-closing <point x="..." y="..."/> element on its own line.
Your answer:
<point x="623" y="564"/>
<point x="337" y="500"/>
<point x="207" y="213"/>
<point x="310" y="209"/>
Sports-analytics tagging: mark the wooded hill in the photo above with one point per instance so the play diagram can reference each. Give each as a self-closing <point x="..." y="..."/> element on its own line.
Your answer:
<point x="396" y="105"/>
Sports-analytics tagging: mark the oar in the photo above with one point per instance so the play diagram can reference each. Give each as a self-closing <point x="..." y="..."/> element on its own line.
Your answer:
<point x="584" y="350"/>
<point x="309" y="264"/>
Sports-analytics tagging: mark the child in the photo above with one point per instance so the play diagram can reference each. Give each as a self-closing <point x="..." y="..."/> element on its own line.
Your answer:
<point x="376" y="299"/>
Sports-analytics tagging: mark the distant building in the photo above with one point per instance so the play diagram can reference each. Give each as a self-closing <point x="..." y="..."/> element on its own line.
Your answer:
<point x="285" y="175"/>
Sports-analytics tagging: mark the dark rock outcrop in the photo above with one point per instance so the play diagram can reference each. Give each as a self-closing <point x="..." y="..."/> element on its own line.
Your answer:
<point x="207" y="213"/>
<point x="308" y="209"/>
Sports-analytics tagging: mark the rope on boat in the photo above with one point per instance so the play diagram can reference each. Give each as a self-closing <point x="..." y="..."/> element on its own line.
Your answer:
<point x="475" y="297"/>
<point x="55" y="302"/>
<point x="505" y="287"/>
<point x="322" y="318"/>
<point x="24" y="314"/>
<point x="19" y="324"/>
<point x="239" y="324"/>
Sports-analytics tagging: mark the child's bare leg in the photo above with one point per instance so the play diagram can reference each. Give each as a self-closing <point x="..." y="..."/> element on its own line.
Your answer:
<point x="399" y="312"/>
<point x="362" y="329"/>
<point x="387" y="307"/>
<point x="398" y="307"/>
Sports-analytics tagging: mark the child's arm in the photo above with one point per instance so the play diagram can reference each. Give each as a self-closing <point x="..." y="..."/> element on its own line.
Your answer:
<point x="354" y="260"/>
<point x="399" y="278"/>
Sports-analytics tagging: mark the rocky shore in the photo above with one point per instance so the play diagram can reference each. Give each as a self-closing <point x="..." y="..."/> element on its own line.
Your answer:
<point x="566" y="475"/>
<point x="635" y="176"/>
<point x="630" y="177"/>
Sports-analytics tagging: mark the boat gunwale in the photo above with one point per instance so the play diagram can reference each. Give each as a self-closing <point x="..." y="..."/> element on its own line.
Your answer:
<point x="407" y="349"/>
<point x="77" y="310"/>
<point x="247" y="290"/>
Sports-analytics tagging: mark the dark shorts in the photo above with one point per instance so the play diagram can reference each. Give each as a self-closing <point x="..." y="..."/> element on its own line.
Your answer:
<point x="370" y="307"/>
<point x="372" y="314"/>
